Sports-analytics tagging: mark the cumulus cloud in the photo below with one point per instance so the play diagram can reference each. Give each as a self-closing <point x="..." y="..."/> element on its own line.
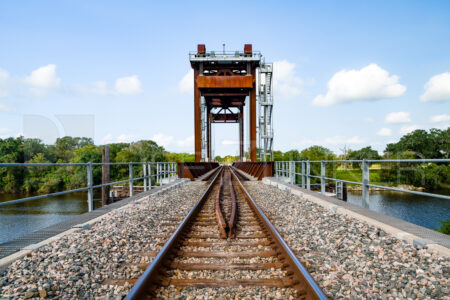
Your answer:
<point x="43" y="79"/>
<point x="187" y="142"/>
<point x="437" y="89"/>
<point x="340" y="140"/>
<point x="440" y="118"/>
<point x="408" y="129"/>
<point x="4" y="107"/>
<point x="128" y="85"/>
<point x="400" y="117"/>
<point x="4" y="133"/>
<point x="186" y="84"/>
<point x="384" y="132"/>
<point x="162" y="139"/>
<point x="368" y="83"/>
<point x="4" y="78"/>
<point x="122" y="138"/>
<point x="286" y="83"/>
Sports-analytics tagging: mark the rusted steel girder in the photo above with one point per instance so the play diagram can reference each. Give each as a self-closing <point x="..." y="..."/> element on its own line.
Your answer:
<point x="225" y="118"/>
<point x="192" y="170"/>
<point x="258" y="169"/>
<point x="225" y="81"/>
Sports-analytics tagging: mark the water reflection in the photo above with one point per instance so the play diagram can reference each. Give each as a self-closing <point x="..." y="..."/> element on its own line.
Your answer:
<point x="420" y="210"/>
<point x="23" y="218"/>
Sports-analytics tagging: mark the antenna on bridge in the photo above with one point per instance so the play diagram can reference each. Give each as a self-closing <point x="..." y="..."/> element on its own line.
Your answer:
<point x="223" y="45"/>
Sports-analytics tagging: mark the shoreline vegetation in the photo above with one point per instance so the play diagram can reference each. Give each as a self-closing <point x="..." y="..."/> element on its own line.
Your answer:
<point x="413" y="176"/>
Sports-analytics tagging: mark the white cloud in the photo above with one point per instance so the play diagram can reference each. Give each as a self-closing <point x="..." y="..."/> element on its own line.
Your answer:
<point x="128" y="85"/>
<point x="355" y="140"/>
<point x="186" y="84"/>
<point x="122" y="138"/>
<point x="400" y="117"/>
<point x="5" y="133"/>
<point x="187" y="142"/>
<point x="43" y="79"/>
<point x="408" y="129"/>
<point x="384" y="132"/>
<point x="4" y="77"/>
<point x="340" y="140"/>
<point x="99" y="88"/>
<point x="286" y="83"/>
<point x="229" y="142"/>
<point x="126" y="138"/>
<point x="162" y="140"/>
<point x="369" y="83"/>
<point x="440" y="118"/>
<point x="437" y="88"/>
<point x="4" y="107"/>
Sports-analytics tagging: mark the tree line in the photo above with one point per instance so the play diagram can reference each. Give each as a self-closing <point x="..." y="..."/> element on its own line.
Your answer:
<point x="71" y="150"/>
<point x="434" y="143"/>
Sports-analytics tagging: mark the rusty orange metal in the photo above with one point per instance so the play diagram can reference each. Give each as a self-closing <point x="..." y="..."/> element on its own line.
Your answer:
<point x="225" y="81"/>
<point x="258" y="169"/>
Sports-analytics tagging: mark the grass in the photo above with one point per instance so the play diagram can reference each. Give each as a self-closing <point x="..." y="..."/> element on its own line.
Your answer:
<point x="356" y="175"/>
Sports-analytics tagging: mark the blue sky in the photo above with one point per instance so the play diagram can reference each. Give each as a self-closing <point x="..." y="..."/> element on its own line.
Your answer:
<point x="348" y="73"/>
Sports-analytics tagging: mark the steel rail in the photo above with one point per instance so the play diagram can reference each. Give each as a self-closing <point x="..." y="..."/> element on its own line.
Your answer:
<point x="233" y="216"/>
<point x="150" y="275"/>
<point x="221" y="224"/>
<point x="299" y="269"/>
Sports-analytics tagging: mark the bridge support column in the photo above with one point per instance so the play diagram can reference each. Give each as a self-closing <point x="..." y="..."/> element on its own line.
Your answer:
<point x="241" y="135"/>
<point x="253" y="119"/>
<point x="197" y="120"/>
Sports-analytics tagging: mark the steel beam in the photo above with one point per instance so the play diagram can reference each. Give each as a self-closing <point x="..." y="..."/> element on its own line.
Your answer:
<point x="253" y="118"/>
<point x="197" y="119"/>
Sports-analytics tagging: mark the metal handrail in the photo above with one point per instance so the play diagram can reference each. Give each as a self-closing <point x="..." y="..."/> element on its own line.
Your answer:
<point x="288" y="169"/>
<point x="163" y="170"/>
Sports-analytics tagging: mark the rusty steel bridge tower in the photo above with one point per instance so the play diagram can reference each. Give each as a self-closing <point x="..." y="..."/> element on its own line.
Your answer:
<point x="222" y="83"/>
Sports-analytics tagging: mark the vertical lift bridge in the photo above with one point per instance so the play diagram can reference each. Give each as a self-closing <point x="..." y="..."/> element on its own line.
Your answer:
<point x="222" y="83"/>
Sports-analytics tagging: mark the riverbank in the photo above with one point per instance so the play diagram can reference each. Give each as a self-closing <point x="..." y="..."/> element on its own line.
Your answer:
<point x="401" y="186"/>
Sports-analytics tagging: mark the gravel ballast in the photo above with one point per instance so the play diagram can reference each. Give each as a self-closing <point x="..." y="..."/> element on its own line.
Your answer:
<point x="76" y="265"/>
<point x="349" y="258"/>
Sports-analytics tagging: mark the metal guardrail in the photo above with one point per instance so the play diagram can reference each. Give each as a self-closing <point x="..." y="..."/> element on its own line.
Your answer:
<point x="287" y="169"/>
<point x="164" y="170"/>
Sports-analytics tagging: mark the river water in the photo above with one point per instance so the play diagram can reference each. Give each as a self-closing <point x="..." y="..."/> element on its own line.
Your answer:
<point x="22" y="218"/>
<point x="424" y="211"/>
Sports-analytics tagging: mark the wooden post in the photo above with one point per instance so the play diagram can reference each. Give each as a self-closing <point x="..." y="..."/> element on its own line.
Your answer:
<point x="105" y="175"/>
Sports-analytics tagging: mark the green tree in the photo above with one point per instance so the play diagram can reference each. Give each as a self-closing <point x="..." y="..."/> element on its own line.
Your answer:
<point x="363" y="153"/>
<point x="432" y="144"/>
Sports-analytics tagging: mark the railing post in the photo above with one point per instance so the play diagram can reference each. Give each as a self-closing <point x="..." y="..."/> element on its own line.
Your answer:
<point x="158" y="166"/>
<point x="130" y="169"/>
<point x="276" y="169"/>
<point x="322" y="177"/>
<point x="303" y="174"/>
<point x="308" y="173"/>
<point x="149" y="166"/>
<point x="365" y="184"/>
<point x="90" y="182"/>
<point x="292" y="169"/>
<point x="144" y="169"/>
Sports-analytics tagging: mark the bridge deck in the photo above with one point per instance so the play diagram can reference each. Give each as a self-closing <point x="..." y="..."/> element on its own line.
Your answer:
<point x="13" y="246"/>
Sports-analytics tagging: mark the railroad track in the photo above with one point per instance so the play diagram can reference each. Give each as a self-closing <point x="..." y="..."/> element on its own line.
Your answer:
<point x="227" y="237"/>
